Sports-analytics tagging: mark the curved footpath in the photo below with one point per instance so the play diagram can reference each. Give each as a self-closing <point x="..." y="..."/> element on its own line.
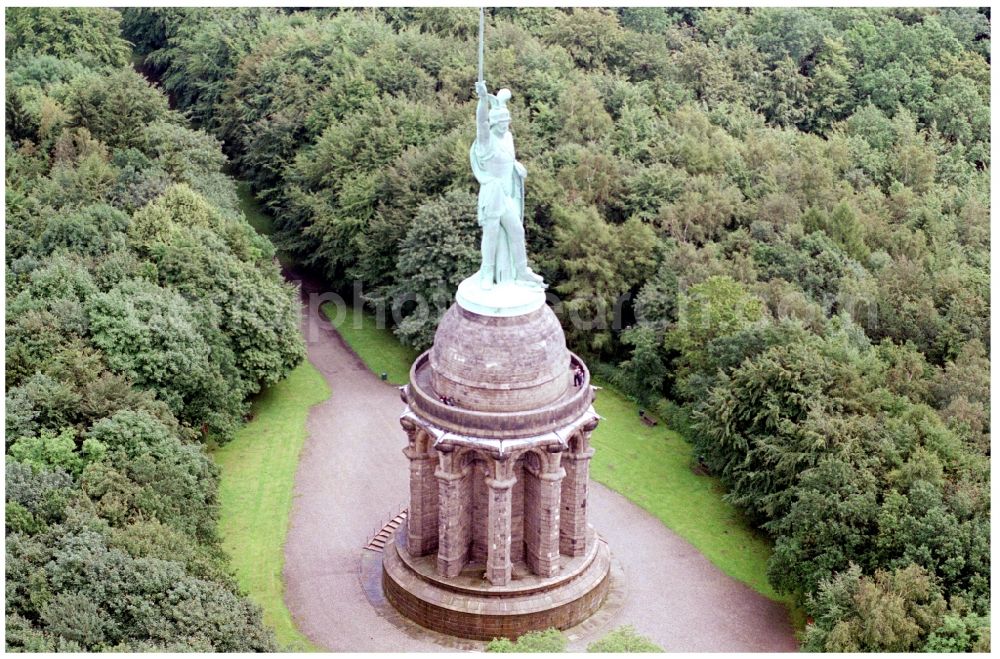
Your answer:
<point x="352" y="477"/>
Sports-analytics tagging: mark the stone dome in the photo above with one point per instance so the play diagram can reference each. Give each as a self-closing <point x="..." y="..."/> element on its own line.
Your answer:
<point x="499" y="377"/>
<point x="500" y="364"/>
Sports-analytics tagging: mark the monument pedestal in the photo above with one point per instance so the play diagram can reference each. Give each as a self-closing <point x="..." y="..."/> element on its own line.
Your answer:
<point x="502" y="301"/>
<point x="470" y="606"/>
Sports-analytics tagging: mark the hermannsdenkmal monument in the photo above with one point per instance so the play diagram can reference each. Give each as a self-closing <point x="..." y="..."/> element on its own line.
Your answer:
<point x="498" y="417"/>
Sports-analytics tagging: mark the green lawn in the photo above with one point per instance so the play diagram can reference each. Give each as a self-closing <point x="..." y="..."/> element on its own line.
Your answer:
<point x="255" y="494"/>
<point x="252" y="209"/>
<point x="652" y="467"/>
<point x="258" y="477"/>
<point x="258" y="219"/>
<point x="378" y="348"/>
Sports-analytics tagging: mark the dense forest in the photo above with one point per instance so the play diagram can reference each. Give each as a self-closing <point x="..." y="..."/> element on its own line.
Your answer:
<point x="769" y="225"/>
<point x="142" y="312"/>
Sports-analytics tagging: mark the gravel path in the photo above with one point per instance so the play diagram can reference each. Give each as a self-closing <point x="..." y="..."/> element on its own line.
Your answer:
<point x="352" y="478"/>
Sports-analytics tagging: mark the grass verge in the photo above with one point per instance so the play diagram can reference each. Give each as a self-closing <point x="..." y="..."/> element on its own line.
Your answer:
<point x="378" y="347"/>
<point x="255" y="215"/>
<point x="255" y="494"/>
<point x="259" y="220"/>
<point x="651" y="466"/>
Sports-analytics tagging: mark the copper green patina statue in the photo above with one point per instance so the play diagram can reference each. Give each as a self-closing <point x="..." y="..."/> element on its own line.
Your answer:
<point x="501" y="194"/>
<point x="504" y="286"/>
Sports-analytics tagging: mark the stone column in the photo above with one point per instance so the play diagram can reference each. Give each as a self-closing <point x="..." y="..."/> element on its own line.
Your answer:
<point x="453" y="517"/>
<point x="422" y="519"/>
<point x="549" y="497"/>
<point x="573" y="518"/>
<point x="498" y="563"/>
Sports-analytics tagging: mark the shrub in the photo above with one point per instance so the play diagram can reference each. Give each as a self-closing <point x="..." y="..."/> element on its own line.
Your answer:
<point x="549" y="640"/>
<point x="624" y="639"/>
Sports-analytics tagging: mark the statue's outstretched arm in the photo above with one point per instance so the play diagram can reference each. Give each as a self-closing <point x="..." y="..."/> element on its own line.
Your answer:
<point x="483" y="115"/>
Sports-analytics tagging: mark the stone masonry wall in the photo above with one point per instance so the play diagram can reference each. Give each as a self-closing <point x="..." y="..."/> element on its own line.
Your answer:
<point x="498" y="618"/>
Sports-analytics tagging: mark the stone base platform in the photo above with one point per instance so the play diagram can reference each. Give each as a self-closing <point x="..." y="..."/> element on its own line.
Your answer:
<point x="470" y="607"/>
<point x="501" y="301"/>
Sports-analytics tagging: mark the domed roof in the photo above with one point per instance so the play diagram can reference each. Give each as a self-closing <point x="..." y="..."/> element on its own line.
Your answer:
<point x="500" y="364"/>
<point x="499" y="378"/>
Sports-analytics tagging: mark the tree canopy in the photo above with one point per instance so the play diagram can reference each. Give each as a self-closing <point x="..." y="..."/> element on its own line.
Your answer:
<point x="142" y="312"/>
